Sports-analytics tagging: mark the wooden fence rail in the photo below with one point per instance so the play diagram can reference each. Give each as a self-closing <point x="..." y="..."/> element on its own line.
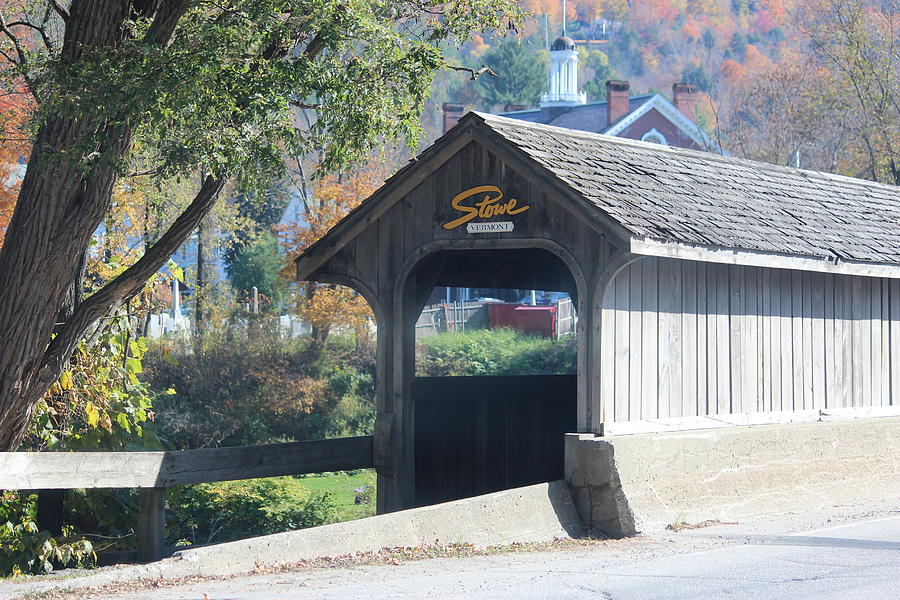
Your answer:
<point x="153" y="472"/>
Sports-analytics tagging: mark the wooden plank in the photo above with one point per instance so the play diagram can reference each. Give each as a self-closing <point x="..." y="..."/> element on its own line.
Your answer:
<point x="860" y="381"/>
<point x="850" y="374"/>
<point x="702" y="341"/>
<point x="65" y="470"/>
<point x="670" y="364"/>
<point x="689" y="339"/>
<point x="724" y="399"/>
<point x="151" y="525"/>
<point x="817" y="339"/>
<point x="797" y="338"/>
<point x="736" y="309"/>
<point x="751" y="351"/>
<point x="774" y="316"/>
<point x="271" y="460"/>
<point x="50" y="510"/>
<point x="623" y="328"/>
<point x="786" y="324"/>
<point x="649" y="338"/>
<point x="875" y="324"/>
<point x="635" y="302"/>
<point x="765" y="341"/>
<point x="895" y="341"/>
<point x="423" y="208"/>
<point x="885" y="374"/>
<point x="866" y="340"/>
<point x="712" y="372"/>
<point x="806" y="279"/>
<point x="829" y="354"/>
<point x="608" y="356"/>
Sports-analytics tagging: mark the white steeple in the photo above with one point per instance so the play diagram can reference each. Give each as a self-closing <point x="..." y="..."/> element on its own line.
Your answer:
<point x="563" y="83"/>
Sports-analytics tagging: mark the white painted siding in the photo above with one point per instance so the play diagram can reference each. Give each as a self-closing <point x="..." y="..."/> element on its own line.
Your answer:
<point x="684" y="338"/>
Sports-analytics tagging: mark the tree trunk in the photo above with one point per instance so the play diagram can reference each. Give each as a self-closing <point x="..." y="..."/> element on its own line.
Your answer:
<point x="63" y="199"/>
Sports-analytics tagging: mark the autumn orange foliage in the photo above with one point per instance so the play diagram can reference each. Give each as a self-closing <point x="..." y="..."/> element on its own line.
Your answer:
<point x="15" y="110"/>
<point x="323" y="306"/>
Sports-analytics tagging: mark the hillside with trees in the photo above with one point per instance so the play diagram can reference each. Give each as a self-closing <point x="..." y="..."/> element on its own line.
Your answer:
<point x="814" y="83"/>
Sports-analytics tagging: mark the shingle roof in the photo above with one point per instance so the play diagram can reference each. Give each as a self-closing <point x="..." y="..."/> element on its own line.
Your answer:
<point x="584" y="117"/>
<point x="702" y="199"/>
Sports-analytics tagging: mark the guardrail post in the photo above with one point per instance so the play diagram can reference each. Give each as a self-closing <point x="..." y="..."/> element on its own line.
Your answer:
<point x="151" y="523"/>
<point x="50" y="506"/>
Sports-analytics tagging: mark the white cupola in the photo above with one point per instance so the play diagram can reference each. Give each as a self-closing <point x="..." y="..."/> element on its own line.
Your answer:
<point x="563" y="83"/>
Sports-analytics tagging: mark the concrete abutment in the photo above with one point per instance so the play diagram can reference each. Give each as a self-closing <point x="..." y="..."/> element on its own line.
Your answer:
<point x="622" y="485"/>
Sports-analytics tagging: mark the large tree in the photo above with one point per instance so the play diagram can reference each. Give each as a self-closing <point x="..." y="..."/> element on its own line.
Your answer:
<point x="187" y="86"/>
<point x="521" y="74"/>
<point x="857" y="42"/>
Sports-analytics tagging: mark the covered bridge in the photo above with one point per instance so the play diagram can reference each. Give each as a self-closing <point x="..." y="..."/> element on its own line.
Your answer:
<point x="704" y="285"/>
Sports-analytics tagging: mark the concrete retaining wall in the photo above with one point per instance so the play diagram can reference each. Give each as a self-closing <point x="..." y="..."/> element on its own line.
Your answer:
<point x="632" y="483"/>
<point x="536" y="513"/>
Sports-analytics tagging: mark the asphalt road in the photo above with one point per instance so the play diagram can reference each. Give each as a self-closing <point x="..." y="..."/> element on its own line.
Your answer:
<point x="857" y="559"/>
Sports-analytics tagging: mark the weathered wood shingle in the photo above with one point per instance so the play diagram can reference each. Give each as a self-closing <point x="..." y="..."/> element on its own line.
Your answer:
<point x="697" y="198"/>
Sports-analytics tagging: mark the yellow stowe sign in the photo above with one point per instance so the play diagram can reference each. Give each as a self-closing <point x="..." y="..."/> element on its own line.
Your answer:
<point x="488" y="207"/>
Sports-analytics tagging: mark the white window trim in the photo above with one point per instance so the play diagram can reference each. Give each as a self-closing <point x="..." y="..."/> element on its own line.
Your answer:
<point x="653" y="133"/>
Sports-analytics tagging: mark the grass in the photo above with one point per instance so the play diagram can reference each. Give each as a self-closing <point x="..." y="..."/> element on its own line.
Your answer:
<point x="342" y="485"/>
<point x="494" y="352"/>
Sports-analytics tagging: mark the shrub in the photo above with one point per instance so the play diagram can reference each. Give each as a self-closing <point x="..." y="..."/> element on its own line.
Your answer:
<point x="237" y="390"/>
<point x="219" y="512"/>
<point x="494" y="352"/>
<point x="24" y="549"/>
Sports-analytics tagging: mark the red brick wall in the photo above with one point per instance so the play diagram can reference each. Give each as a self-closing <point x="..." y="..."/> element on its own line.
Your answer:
<point x="655" y="119"/>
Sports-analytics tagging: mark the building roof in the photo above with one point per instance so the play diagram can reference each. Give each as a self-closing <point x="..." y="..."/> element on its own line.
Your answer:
<point x="584" y="117"/>
<point x="673" y="202"/>
<point x="563" y="43"/>
<point x="664" y="194"/>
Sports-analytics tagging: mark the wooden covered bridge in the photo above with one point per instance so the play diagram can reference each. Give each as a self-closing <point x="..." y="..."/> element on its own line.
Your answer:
<point x="703" y="284"/>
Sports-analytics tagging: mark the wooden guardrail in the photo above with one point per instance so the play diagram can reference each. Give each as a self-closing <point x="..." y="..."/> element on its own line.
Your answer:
<point x="153" y="472"/>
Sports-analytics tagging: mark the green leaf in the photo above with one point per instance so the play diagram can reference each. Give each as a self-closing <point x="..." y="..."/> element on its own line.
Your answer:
<point x="65" y="380"/>
<point x="91" y="414"/>
<point x="122" y="420"/>
<point x="134" y="365"/>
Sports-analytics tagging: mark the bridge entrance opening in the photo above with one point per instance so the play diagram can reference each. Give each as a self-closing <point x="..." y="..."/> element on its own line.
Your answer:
<point x="495" y="385"/>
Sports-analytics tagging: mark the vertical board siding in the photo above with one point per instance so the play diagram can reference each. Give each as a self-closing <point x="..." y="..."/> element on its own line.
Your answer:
<point x="649" y="337"/>
<point x="682" y="338"/>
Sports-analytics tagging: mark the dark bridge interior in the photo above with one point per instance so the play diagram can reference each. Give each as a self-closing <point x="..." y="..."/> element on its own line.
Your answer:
<point x="475" y="435"/>
<point x="525" y="268"/>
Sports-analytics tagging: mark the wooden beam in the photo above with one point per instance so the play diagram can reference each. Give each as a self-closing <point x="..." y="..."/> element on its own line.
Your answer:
<point x="65" y="470"/>
<point x="50" y="507"/>
<point x="758" y="258"/>
<point x="151" y="524"/>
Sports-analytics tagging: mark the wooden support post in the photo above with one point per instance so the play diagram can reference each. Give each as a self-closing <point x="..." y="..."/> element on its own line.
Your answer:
<point x="151" y="523"/>
<point x="50" y="510"/>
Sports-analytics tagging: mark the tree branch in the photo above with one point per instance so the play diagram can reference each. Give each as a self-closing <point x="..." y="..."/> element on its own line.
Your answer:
<point x="304" y="105"/>
<point x="167" y="17"/>
<point x="62" y="12"/>
<point x="129" y="282"/>
<point x="314" y="47"/>
<point x="23" y="60"/>
<point x="474" y="75"/>
<point x="44" y="37"/>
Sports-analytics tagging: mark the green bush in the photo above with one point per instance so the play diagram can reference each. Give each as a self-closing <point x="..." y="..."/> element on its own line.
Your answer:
<point x="494" y="352"/>
<point x="219" y="512"/>
<point x="237" y="390"/>
<point x="24" y="549"/>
